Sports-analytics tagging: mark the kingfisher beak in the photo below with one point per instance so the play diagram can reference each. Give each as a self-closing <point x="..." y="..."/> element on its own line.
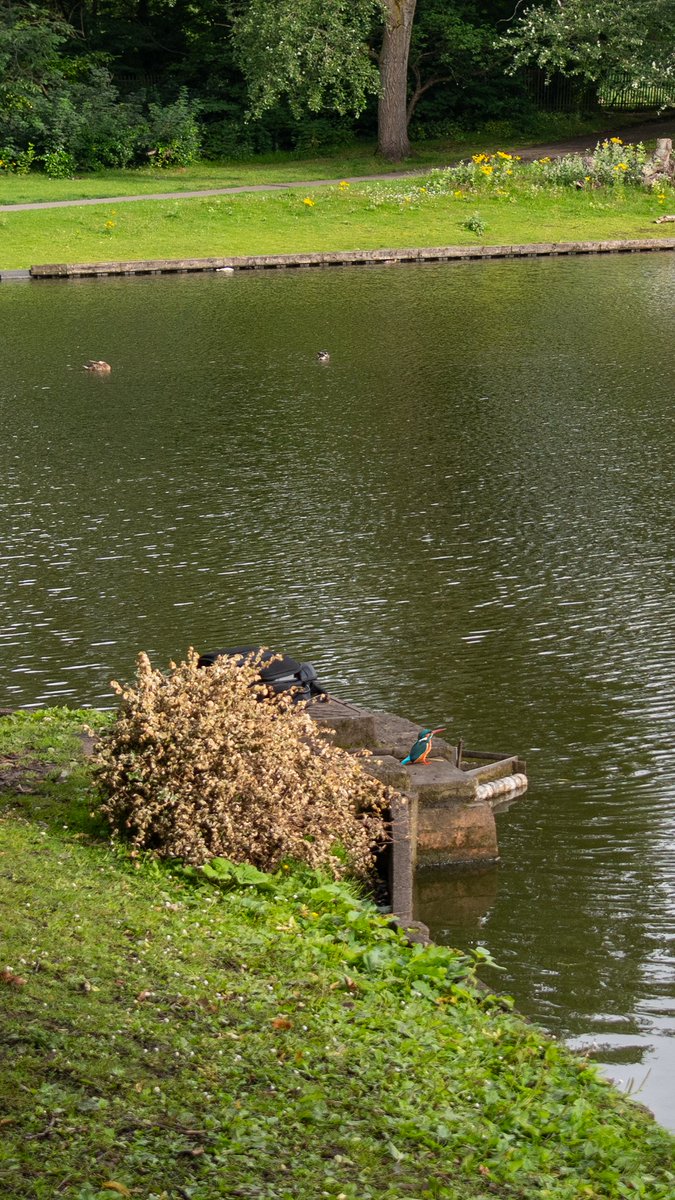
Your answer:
<point x="439" y="730"/>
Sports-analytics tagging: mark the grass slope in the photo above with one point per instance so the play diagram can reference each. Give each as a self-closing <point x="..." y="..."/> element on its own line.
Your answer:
<point x="287" y="167"/>
<point x="362" y="216"/>
<point x="268" y="1038"/>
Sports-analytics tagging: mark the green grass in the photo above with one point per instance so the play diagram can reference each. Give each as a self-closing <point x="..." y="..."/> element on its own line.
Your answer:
<point x="268" y="1038"/>
<point x="363" y="216"/>
<point x="359" y="159"/>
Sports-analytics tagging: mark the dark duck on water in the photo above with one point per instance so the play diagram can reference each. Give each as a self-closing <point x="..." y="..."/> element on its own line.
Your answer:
<point x="422" y="747"/>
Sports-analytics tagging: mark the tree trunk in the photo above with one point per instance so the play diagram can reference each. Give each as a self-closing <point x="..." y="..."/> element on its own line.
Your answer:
<point x="392" y="111"/>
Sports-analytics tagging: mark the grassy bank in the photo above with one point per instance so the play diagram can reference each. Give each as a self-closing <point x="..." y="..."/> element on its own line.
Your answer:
<point x="287" y="167"/>
<point x="363" y="216"/>
<point x="269" y="1037"/>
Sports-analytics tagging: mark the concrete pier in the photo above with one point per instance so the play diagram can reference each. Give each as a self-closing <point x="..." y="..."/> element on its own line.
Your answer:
<point x="448" y="814"/>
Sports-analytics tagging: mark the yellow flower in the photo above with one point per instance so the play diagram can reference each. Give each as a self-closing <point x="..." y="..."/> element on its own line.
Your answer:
<point x="509" y="171"/>
<point x="587" y="178"/>
<point x="545" y="159"/>
<point x="458" y="195"/>
<point x="423" y="189"/>
<point x="616" y="141"/>
<point x="479" y="158"/>
<point x="487" y="170"/>
<point x="110" y="225"/>
<point x="343" y="183"/>
<point x="503" y="154"/>
<point x="623" y="166"/>
<point x="308" y="201"/>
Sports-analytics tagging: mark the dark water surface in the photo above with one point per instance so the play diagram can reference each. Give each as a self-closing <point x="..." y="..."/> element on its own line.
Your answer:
<point x="467" y="516"/>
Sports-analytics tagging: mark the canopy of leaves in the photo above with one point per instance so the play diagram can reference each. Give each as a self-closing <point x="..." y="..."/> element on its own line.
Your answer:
<point x="311" y="53"/>
<point x="596" y="40"/>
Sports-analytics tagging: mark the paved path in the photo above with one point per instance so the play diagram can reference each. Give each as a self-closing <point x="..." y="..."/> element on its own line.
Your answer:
<point x="635" y="133"/>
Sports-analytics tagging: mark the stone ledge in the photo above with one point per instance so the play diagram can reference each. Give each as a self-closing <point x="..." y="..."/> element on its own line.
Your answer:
<point x="347" y="258"/>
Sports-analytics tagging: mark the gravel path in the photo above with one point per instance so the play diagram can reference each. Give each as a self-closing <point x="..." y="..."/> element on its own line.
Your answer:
<point x="634" y="133"/>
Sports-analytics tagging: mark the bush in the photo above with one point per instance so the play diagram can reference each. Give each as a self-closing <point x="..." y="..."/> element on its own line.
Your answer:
<point x="17" y="162"/>
<point x="111" y="135"/>
<point x="58" y="163"/>
<point x="204" y="763"/>
<point x="474" y="224"/>
<point x="173" y="133"/>
<point x="612" y="162"/>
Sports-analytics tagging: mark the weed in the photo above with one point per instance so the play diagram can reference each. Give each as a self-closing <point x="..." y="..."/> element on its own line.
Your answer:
<point x="475" y="224"/>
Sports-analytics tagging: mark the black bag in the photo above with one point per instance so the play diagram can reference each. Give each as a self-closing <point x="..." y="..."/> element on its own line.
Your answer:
<point x="282" y="675"/>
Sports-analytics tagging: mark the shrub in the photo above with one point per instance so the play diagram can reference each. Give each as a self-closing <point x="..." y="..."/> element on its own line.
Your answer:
<point x="204" y="763"/>
<point x="475" y="224"/>
<point x="111" y="135"/>
<point x="611" y="162"/>
<point x="17" y="162"/>
<point x="173" y="133"/>
<point x="59" y="163"/>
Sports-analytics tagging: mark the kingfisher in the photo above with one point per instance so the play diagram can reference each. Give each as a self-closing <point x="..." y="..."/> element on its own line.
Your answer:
<point x="422" y="747"/>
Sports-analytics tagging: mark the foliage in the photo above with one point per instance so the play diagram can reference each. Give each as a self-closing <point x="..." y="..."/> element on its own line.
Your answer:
<point x="475" y="224"/>
<point x="59" y="164"/>
<point x="611" y="163"/>
<point x="582" y="37"/>
<point x="173" y="133"/>
<point x="65" y="105"/>
<point x="314" y="54"/>
<point x="203" y="763"/>
<point x="17" y="162"/>
<point x="181" y="1036"/>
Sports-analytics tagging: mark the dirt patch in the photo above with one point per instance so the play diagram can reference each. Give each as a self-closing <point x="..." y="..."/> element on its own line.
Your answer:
<point x="22" y="775"/>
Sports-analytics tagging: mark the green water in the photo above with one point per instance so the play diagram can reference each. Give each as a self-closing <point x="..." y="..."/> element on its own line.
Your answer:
<point x="466" y="516"/>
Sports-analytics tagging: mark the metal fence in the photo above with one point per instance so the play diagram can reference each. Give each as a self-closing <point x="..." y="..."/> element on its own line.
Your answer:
<point x="563" y="93"/>
<point x="620" y="92"/>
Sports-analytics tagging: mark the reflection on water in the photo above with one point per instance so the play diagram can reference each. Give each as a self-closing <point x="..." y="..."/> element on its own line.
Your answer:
<point x="467" y="516"/>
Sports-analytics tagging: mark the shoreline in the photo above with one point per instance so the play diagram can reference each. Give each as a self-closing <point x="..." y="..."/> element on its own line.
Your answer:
<point x="219" y="1010"/>
<point x="334" y="258"/>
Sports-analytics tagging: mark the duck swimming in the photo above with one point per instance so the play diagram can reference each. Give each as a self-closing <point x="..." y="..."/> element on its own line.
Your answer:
<point x="97" y="364"/>
<point x="323" y="356"/>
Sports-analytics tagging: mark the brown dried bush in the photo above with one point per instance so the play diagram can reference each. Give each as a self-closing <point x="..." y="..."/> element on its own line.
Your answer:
<point x="205" y="763"/>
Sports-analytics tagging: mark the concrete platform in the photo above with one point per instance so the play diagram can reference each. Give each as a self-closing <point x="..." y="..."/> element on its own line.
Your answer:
<point x="449" y="814"/>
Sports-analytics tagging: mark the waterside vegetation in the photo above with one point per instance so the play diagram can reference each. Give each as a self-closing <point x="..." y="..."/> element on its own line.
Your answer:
<point x="490" y="198"/>
<point x="176" y="1033"/>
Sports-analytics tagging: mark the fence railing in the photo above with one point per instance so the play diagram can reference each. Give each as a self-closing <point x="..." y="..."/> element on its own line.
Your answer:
<point x="570" y="94"/>
<point x="620" y="92"/>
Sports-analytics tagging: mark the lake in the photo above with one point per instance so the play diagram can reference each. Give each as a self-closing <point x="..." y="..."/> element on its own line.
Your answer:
<point x="466" y="517"/>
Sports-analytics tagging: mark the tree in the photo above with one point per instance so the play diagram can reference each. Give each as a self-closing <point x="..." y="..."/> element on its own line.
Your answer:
<point x="392" y="113"/>
<point x="317" y="55"/>
<point x="583" y="37"/>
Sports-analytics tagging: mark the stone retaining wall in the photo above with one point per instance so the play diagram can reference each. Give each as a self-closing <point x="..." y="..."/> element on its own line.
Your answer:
<point x="261" y="262"/>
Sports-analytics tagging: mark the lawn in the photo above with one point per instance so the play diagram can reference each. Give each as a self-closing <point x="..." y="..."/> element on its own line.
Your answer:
<point x="175" y="1038"/>
<point x="362" y="216"/>
<point x="282" y="167"/>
